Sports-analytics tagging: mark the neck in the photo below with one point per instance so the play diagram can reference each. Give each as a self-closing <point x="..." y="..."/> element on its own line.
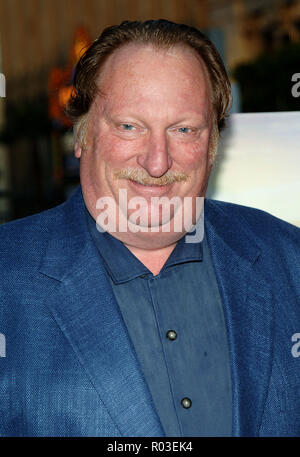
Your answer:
<point x="154" y="259"/>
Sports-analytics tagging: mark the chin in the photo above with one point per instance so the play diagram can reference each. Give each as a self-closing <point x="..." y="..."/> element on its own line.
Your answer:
<point x="150" y="240"/>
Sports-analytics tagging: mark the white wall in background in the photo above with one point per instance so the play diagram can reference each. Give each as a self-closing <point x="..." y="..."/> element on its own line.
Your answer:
<point x="259" y="163"/>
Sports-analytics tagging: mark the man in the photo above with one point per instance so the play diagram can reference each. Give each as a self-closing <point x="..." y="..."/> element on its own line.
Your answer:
<point x="127" y="328"/>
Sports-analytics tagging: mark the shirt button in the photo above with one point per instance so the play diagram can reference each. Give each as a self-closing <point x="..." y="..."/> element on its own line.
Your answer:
<point x="186" y="402"/>
<point x="171" y="335"/>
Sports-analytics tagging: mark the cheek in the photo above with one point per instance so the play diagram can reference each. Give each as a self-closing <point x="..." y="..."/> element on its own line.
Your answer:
<point x="113" y="151"/>
<point x="192" y="156"/>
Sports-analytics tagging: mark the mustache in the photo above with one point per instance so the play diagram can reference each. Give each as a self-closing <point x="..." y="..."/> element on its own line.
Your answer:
<point x="142" y="177"/>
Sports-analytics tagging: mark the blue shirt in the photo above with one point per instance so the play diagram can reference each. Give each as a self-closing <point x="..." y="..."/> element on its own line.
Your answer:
<point x="176" y="324"/>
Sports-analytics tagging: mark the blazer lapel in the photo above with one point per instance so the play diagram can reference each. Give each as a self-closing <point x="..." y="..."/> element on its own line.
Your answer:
<point x="83" y="304"/>
<point x="248" y="312"/>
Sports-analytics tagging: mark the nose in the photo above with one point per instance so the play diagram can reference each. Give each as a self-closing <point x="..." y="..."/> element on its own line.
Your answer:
<point x="156" y="159"/>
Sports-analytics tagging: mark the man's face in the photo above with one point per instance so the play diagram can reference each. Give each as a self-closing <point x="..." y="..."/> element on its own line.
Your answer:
<point x="148" y="131"/>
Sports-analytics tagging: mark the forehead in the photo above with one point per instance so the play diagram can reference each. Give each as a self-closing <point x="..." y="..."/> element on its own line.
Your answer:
<point x="148" y="74"/>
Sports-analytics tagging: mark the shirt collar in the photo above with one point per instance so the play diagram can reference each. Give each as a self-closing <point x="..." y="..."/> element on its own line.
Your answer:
<point x="123" y="266"/>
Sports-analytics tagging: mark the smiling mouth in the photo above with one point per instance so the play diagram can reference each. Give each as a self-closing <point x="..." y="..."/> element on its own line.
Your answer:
<point x="149" y="188"/>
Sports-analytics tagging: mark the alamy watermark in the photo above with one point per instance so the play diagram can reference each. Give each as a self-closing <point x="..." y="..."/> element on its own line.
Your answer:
<point x="2" y="345"/>
<point x="2" y="85"/>
<point x="296" y="87"/>
<point x="296" y="347"/>
<point x="152" y="215"/>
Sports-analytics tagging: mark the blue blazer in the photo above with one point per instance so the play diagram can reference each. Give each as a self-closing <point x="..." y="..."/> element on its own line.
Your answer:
<point x="70" y="367"/>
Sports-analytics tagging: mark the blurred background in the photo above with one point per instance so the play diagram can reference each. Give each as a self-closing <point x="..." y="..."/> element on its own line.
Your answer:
<point x="259" y="41"/>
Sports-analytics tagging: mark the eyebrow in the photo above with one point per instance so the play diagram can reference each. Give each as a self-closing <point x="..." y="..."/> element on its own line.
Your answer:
<point x="184" y="117"/>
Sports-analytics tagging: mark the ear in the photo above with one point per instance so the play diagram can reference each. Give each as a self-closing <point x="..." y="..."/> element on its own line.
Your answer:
<point x="77" y="150"/>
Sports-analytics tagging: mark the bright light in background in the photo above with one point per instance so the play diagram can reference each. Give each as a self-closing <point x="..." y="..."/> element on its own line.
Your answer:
<point x="259" y="163"/>
<point x="2" y="85"/>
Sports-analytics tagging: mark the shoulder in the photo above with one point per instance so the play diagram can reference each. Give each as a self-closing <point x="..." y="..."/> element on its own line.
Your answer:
<point x="264" y="227"/>
<point x="251" y="230"/>
<point x="28" y="233"/>
<point x="34" y="230"/>
<point x="23" y="242"/>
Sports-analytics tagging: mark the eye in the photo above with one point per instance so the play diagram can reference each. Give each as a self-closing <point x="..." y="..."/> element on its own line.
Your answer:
<point x="127" y="127"/>
<point x="184" y="130"/>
